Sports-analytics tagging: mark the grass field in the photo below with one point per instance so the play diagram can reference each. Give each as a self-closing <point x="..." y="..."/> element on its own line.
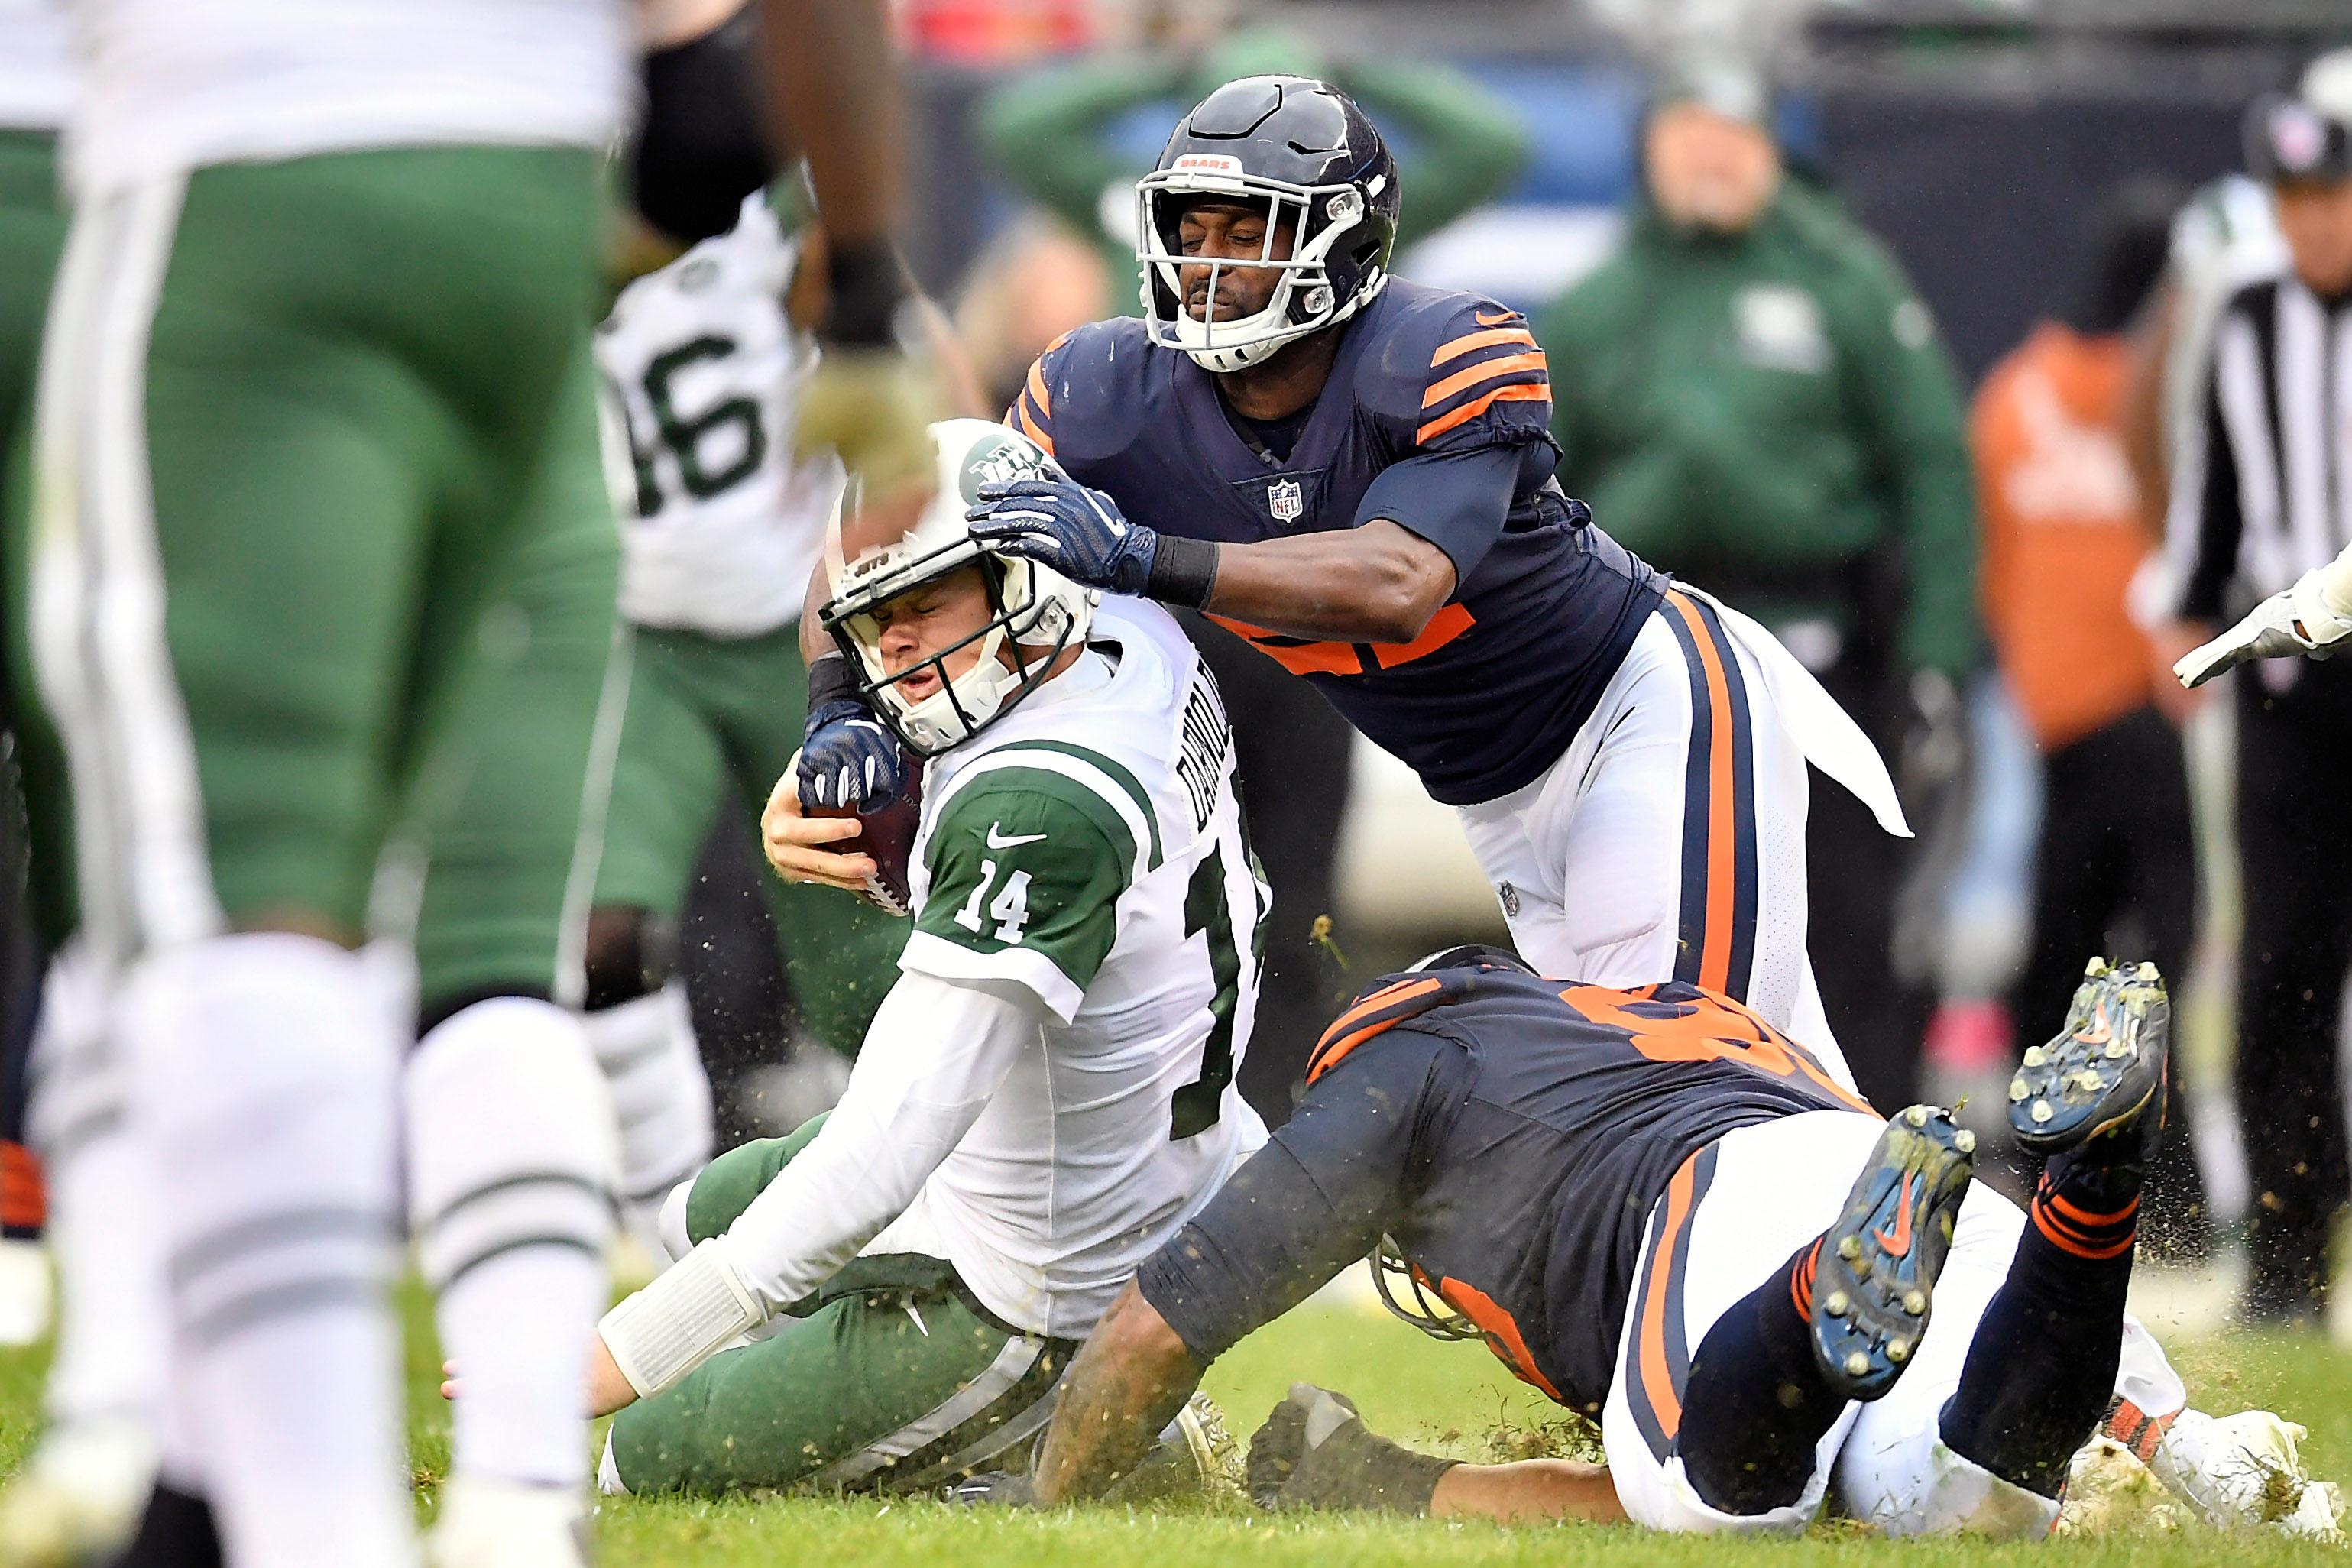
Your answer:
<point x="1407" y="1386"/>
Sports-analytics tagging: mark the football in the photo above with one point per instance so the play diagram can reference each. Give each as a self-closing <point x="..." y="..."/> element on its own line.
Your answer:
<point x="887" y="834"/>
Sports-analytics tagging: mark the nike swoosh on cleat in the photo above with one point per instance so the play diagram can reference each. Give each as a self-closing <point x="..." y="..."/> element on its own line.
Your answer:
<point x="2099" y="1031"/>
<point x="1899" y="1244"/>
<point x="996" y="839"/>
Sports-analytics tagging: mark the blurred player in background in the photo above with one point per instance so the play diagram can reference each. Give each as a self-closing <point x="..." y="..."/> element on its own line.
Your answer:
<point x="1753" y="397"/>
<point x="1355" y="473"/>
<point x="254" y="329"/>
<point x="2065" y="528"/>
<point x="1046" y="1091"/>
<point x="36" y="91"/>
<point x="1052" y="136"/>
<point x="2257" y="510"/>
<point x="705" y="368"/>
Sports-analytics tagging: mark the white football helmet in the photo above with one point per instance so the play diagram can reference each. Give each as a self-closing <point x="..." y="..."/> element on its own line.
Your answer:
<point x="1038" y="611"/>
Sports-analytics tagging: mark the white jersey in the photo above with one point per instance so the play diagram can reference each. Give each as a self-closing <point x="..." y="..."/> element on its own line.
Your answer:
<point x="1087" y="850"/>
<point x="175" y="85"/>
<point x="704" y="370"/>
<point x="36" y="70"/>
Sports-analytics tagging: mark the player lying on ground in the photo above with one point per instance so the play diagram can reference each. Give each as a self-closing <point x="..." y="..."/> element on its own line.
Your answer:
<point x="1645" y="1203"/>
<point x="1045" y="1094"/>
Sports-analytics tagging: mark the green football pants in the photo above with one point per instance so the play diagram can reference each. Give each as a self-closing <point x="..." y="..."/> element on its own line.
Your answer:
<point x="295" y="414"/>
<point x="892" y="1378"/>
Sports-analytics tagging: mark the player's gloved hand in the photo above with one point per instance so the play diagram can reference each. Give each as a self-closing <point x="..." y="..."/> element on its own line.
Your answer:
<point x="1076" y="530"/>
<point x="848" y="757"/>
<point x="868" y="400"/>
<point x="993" y="1489"/>
<point x="1315" y="1451"/>
<point x="2300" y="620"/>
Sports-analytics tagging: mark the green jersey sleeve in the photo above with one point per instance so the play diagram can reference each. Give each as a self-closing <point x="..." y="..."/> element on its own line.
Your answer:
<point x="1027" y="867"/>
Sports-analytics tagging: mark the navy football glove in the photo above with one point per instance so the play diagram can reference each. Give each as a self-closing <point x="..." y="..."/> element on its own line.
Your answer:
<point x="849" y="758"/>
<point x="1076" y="531"/>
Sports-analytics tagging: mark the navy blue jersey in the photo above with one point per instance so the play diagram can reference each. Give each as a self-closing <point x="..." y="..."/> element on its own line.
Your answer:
<point x="1436" y="417"/>
<point x="1512" y="1133"/>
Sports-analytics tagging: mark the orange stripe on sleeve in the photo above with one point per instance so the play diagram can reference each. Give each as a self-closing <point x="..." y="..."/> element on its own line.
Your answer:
<point x="1030" y="427"/>
<point x="1470" y="341"/>
<point x="1469" y="411"/>
<point x="1037" y="389"/>
<point x="1484" y="370"/>
<point x="1715" y="959"/>
<point x="1361" y="1023"/>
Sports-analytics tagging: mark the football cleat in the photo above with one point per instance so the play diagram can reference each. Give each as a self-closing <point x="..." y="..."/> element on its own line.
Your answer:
<point x="80" y="1498"/>
<point x="2098" y="1074"/>
<point x="2246" y="1472"/>
<point x="1875" y="1284"/>
<point x="1196" y="1456"/>
<point x="490" y="1523"/>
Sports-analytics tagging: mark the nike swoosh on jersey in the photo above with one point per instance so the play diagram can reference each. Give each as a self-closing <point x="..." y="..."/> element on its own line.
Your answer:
<point x="1493" y="318"/>
<point x="996" y="839"/>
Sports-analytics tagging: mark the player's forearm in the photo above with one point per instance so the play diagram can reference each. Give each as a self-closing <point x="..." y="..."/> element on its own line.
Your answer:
<point x="1378" y="583"/>
<point x="935" y="1055"/>
<point x="832" y="81"/>
<point x="1131" y="1378"/>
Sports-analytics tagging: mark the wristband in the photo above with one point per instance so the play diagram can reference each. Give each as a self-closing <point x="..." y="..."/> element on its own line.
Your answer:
<point x="691" y="1312"/>
<point x="1184" y="572"/>
<point x="865" y="286"/>
<point x="830" y="680"/>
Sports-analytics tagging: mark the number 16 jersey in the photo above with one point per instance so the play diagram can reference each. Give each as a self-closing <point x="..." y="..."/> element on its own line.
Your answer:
<point x="703" y="370"/>
<point x="1086" y="854"/>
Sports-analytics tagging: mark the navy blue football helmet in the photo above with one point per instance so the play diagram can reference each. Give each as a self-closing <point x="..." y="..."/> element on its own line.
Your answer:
<point x="1303" y="149"/>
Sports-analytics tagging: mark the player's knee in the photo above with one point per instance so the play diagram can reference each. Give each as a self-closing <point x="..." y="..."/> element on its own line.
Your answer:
<point x="630" y="953"/>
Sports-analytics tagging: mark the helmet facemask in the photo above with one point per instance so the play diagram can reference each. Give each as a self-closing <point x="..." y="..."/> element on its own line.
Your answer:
<point x="1305" y="298"/>
<point x="1028" y="626"/>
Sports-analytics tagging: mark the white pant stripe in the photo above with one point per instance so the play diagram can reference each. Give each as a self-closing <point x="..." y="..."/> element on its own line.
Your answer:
<point x="1012" y="1363"/>
<point x="99" y="593"/>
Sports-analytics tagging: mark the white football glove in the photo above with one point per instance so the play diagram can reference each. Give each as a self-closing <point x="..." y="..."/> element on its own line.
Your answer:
<point x="2300" y="620"/>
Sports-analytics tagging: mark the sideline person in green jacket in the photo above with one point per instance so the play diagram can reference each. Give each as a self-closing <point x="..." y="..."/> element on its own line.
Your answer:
<point x="1750" y="396"/>
<point x="1049" y="133"/>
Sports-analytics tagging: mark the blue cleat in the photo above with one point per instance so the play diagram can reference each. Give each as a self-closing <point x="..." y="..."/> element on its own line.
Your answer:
<point x="1874" y="1283"/>
<point x="2100" y="1072"/>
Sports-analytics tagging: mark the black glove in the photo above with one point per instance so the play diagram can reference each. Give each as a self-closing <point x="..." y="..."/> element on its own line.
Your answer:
<point x="1315" y="1451"/>
<point x="848" y="757"/>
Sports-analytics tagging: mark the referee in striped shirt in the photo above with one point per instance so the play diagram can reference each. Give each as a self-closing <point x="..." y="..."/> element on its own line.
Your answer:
<point x="2264" y="497"/>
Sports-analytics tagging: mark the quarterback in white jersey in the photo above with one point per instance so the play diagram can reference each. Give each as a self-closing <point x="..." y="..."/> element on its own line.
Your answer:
<point x="1047" y="1092"/>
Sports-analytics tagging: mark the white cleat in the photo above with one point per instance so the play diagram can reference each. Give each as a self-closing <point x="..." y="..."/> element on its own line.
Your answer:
<point x="487" y="1523"/>
<point x="23" y="1291"/>
<point x="2244" y="1472"/>
<point x="80" y="1497"/>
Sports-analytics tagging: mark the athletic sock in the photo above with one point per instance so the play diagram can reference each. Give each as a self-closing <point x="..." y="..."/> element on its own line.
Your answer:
<point x="1755" y="1407"/>
<point x="113" y="1323"/>
<point x="661" y="1096"/>
<point x="2040" y="1370"/>
<point x="510" y="1156"/>
<point x="263" y="1079"/>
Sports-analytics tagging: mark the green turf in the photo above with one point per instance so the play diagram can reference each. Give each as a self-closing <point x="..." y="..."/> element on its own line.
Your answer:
<point x="1406" y="1384"/>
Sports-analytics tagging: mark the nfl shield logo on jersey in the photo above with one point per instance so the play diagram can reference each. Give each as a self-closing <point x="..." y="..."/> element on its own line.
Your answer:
<point x="1286" y="501"/>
